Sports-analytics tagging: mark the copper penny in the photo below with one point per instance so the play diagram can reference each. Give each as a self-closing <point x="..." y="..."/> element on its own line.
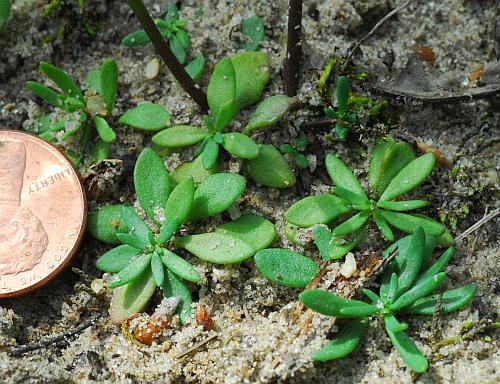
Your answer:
<point x="42" y="212"/>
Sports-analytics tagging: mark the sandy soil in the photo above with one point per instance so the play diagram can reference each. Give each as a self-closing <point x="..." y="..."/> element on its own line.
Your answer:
<point x="256" y="341"/>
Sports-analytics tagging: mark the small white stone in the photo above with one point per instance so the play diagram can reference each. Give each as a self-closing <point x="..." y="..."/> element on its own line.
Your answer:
<point x="152" y="69"/>
<point x="349" y="266"/>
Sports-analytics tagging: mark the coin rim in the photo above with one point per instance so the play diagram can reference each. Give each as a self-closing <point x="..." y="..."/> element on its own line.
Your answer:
<point x="44" y="281"/>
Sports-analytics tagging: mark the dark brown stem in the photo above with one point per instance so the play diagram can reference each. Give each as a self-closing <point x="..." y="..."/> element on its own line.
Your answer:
<point x="166" y="54"/>
<point x="318" y="124"/>
<point x="294" y="47"/>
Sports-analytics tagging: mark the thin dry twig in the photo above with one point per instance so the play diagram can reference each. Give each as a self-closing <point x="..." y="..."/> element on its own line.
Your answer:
<point x="166" y="54"/>
<point x="63" y="337"/>
<point x="294" y="47"/>
<point x="476" y="226"/>
<point x="197" y="345"/>
<point x="372" y="31"/>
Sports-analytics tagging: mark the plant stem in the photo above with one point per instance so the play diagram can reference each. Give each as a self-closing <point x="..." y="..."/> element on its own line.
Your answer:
<point x="294" y="47"/>
<point x="166" y="54"/>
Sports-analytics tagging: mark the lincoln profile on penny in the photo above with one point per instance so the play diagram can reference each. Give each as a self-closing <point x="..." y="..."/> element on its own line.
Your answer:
<point x="23" y="239"/>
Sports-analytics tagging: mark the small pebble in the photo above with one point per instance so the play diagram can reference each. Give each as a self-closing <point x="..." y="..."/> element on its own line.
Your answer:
<point x="152" y="69"/>
<point x="349" y="266"/>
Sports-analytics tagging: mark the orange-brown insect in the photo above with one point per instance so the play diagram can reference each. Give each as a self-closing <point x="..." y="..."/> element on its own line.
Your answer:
<point x="424" y="52"/>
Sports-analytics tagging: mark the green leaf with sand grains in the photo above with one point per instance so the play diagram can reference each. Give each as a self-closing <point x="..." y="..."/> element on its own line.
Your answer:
<point x="147" y="117"/>
<point x="319" y="209"/>
<point x="252" y="70"/>
<point x="151" y="182"/>
<point x="269" y="112"/>
<point x="173" y="286"/>
<point x="221" y="93"/>
<point x="270" y="168"/>
<point x="193" y="169"/>
<point x="131" y="298"/>
<point x="62" y="80"/>
<point x="109" y="83"/>
<point x="179" y="136"/>
<point x="217" y="193"/>
<point x="117" y="258"/>
<point x="216" y="247"/>
<point x="240" y="145"/>
<point x="106" y="222"/>
<point x="285" y="267"/>
<point x="252" y="229"/>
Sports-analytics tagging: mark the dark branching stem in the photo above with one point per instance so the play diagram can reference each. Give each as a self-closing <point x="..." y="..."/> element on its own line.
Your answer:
<point x="294" y="47"/>
<point x="166" y="54"/>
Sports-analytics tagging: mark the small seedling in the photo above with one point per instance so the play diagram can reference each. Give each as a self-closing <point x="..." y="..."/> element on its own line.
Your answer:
<point x="173" y="29"/>
<point x="253" y="29"/>
<point x="394" y="171"/>
<point x="145" y="259"/>
<point x="295" y="149"/>
<point x="406" y="286"/>
<point x="236" y="83"/>
<point x="5" y="7"/>
<point x="79" y="110"/>
<point x="345" y="118"/>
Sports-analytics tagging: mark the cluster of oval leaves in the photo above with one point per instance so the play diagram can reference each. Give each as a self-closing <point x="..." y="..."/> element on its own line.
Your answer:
<point x="145" y="259"/>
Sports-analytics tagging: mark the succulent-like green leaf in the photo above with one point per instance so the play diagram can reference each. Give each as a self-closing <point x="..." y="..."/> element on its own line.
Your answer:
<point x="93" y="80"/>
<point x="382" y="225"/>
<point x="372" y="296"/>
<point x="105" y="132"/>
<point x="100" y="151"/>
<point x="418" y="291"/>
<point x="193" y="169"/>
<point x="216" y="247"/>
<point x="401" y="206"/>
<point x="178" y="49"/>
<point x="351" y="225"/>
<point x="392" y="292"/>
<point x="438" y="266"/>
<point x="409" y="177"/>
<point x="136" y="226"/>
<point x="320" y="209"/>
<point x="285" y="267"/>
<point x="157" y="269"/>
<point x="344" y="342"/>
<point x="252" y="229"/>
<point x="131" y="272"/>
<point x="322" y="238"/>
<point x="359" y="310"/>
<point x="133" y="241"/>
<point x="147" y="117"/>
<point x="216" y="194"/>
<point x="388" y="158"/>
<point x="45" y="93"/>
<point x="173" y="286"/>
<point x="180" y="201"/>
<point x="343" y="93"/>
<point x="328" y="304"/>
<point x="410" y="223"/>
<point x="5" y="7"/>
<point x="180" y="267"/>
<point x="356" y="201"/>
<point x="196" y="67"/>
<point x="179" y="136"/>
<point x="451" y="301"/>
<point x="254" y="29"/>
<point x="393" y="325"/>
<point x="221" y="93"/>
<point x="410" y="261"/>
<point x="152" y="184"/>
<point x="270" y="168"/>
<point x="339" y="247"/>
<point x="343" y="177"/>
<point x="167" y="230"/>
<point x="183" y="38"/>
<point x="210" y="153"/>
<point x="407" y="349"/>
<point x="109" y="83"/>
<point x="136" y="39"/>
<point x="269" y="112"/>
<point x="240" y="145"/>
<point x="106" y="222"/>
<point x="252" y="70"/>
<point x="131" y="298"/>
<point x="117" y="258"/>
<point x="62" y="80"/>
